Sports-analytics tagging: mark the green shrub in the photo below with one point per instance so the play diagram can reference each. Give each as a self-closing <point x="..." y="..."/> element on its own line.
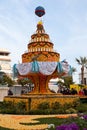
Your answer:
<point x="76" y="103"/>
<point x="7" y="107"/>
<point x="8" y="111"/>
<point x="67" y="105"/>
<point x="11" y="108"/>
<point x="83" y="100"/>
<point x="7" y="104"/>
<point x="81" y="108"/>
<point x="44" y="105"/>
<point x="20" y="107"/>
<point x="56" y="105"/>
<point x="43" y="108"/>
<point x="70" y="111"/>
<point x="57" y="111"/>
<point x="39" y="112"/>
<point x="1" y="103"/>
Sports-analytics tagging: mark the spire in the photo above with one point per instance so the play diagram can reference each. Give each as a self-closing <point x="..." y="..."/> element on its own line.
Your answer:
<point x="40" y="28"/>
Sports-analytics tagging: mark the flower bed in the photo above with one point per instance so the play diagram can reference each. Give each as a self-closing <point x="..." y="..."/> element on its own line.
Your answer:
<point x="74" y="123"/>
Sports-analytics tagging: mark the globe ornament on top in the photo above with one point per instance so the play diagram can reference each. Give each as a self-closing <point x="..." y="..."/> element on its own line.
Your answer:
<point x="40" y="11"/>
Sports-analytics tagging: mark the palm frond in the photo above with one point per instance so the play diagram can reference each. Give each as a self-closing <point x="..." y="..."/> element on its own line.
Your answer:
<point x="78" y="61"/>
<point x="82" y="60"/>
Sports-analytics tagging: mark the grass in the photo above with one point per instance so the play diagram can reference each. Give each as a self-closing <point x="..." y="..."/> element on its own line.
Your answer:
<point x="3" y="128"/>
<point x="56" y="121"/>
<point x="51" y="120"/>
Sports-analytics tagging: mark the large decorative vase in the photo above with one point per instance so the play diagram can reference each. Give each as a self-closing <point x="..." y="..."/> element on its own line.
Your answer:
<point x="41" y="62"/>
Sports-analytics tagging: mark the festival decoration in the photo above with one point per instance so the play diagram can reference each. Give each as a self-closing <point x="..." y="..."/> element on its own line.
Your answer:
<point x="41" y="63"/>
<point x="39" y="11"/>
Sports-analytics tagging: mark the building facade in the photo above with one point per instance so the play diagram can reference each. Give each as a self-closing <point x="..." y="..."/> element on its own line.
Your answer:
<point x="5" y="61"/>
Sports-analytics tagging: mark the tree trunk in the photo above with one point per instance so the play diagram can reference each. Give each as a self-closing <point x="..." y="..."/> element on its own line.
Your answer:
<point x="82" y="74"/>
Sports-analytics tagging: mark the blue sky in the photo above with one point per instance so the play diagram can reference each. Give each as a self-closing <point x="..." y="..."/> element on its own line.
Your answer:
<point x="65" y="21"/>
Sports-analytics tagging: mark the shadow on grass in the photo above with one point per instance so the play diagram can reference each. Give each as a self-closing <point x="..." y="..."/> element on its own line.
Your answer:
<point x="51" y="120"/>
<point x="3" y="128"/>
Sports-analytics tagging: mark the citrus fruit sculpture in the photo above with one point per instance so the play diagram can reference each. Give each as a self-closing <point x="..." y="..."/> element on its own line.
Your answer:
<point x="41" y="62"/>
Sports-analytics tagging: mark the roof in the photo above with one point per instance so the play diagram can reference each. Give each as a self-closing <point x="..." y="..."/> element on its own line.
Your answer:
<point x="3" y="50"/>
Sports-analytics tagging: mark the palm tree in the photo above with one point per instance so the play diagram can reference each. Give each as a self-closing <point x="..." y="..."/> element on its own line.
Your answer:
<point x="83" y="62"/>
<point x="67" y="79"/>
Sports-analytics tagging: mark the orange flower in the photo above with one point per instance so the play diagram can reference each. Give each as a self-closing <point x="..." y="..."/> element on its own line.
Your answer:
<point x="66" y="116"/>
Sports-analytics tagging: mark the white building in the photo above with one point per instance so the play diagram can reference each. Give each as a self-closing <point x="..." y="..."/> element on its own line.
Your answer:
<point x="5" y="62"/>
<point x="85" y="77"/>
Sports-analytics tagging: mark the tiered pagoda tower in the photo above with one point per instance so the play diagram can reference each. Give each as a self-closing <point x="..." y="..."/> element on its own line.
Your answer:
<point x="41" y="63"/>
<point x="40" y="47"/>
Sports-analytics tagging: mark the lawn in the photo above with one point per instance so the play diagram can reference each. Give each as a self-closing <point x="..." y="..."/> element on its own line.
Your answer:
<point x="79" y="121"/>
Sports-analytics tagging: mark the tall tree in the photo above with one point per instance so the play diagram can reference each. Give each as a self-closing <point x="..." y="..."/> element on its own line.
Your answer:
<point x="68" y="80"/>
<point x="6" y="80"/>
<point x="83" y="62"/>
<point x="24" y="81"/>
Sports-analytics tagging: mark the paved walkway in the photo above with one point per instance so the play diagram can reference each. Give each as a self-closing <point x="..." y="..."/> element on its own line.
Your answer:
<point x="13" y="121"/>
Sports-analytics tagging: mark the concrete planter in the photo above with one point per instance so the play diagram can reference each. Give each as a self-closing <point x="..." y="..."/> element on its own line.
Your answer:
<point x="3" y="92"/>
